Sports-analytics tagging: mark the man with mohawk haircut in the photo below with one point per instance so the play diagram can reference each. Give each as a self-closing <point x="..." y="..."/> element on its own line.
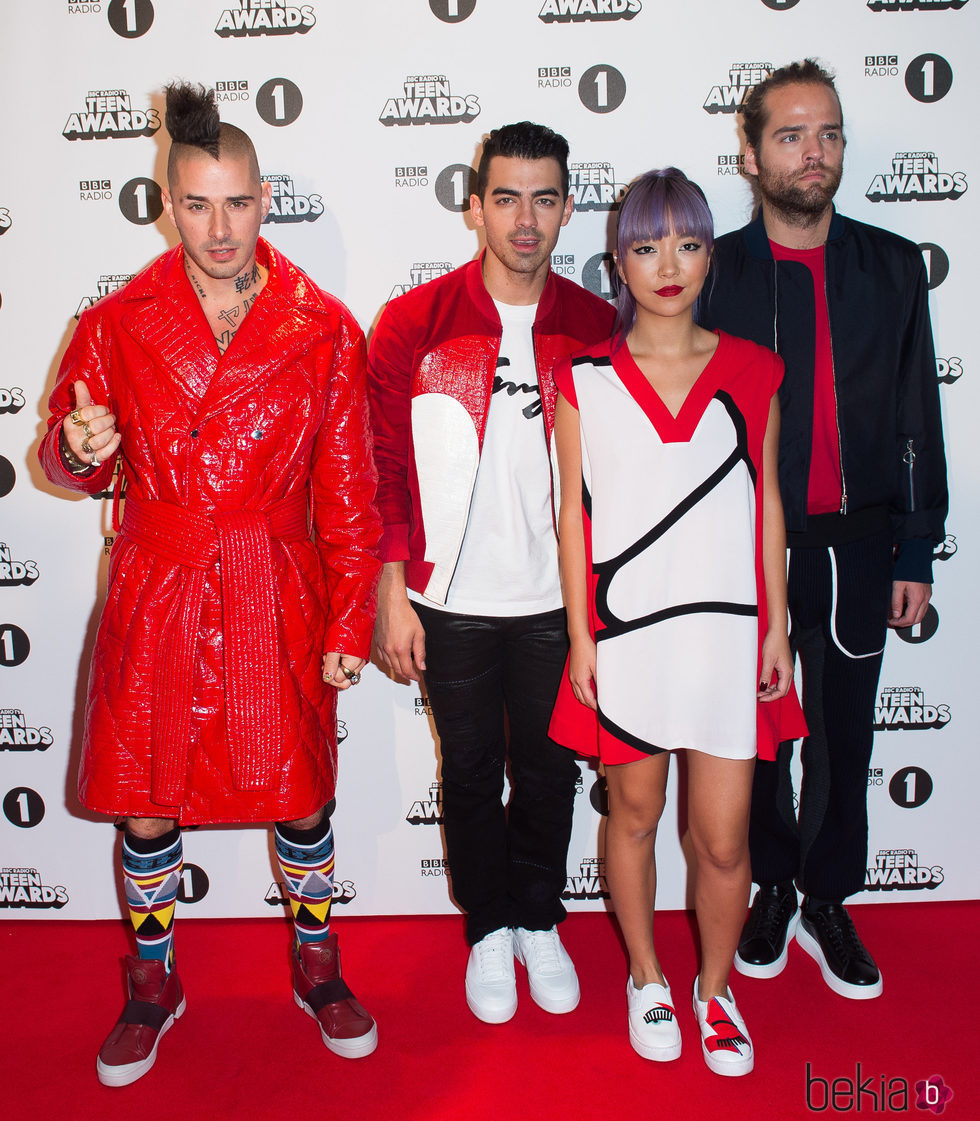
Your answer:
<point x="230" y="393"/>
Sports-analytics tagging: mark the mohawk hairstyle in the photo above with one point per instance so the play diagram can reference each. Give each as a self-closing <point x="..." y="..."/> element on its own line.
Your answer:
<point x="193" y="122"/>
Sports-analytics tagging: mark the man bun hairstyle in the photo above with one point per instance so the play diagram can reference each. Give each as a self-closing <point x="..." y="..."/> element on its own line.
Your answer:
<point x="194" y="123"/>
<point x="753" y="109"/>
<point x="523" y="141"/>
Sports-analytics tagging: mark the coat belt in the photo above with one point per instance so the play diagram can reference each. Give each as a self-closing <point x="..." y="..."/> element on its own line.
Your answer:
<point x="252" y="648"/>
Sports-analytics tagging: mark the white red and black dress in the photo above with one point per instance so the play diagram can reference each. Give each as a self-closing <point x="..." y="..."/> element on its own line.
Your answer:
<point x="672" y="510"/>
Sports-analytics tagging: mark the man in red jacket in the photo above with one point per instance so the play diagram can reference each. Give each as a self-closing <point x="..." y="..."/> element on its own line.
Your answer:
<point x="230" y="391"/>
<point x="463" y="401"/>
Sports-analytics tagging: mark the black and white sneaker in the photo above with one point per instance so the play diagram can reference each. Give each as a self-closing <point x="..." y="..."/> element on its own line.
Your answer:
<point x="827" y="934"/>
<point x="768" y="931"/>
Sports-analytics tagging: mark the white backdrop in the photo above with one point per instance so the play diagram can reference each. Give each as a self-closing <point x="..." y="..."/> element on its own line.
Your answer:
<point x="367" y="117"/>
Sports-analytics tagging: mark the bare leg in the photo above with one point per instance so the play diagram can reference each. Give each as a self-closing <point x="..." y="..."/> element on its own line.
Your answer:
<point x="310" y="822"/>
<point x="636" y="801"/>
<point x="149" y="828"/>
<point x="719" y="794"/>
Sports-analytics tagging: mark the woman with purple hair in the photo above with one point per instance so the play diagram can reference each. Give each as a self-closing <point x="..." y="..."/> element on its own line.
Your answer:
<point x="673" y="566"/>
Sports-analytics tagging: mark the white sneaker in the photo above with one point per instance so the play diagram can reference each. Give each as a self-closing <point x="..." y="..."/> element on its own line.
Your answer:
<point x="491" y="991"/>
<point x="550" y="972"/>
<point x="654" y="1032"/>
<point x="725" y="1041"/>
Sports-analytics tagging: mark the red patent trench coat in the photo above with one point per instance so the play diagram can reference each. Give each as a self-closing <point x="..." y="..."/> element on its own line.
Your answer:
<point x="205" y="700"/>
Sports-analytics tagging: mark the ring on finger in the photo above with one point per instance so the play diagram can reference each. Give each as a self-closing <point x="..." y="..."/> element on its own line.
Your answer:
<point x="86" y="428"/>
<point x="95" y="460"/>
<point x="86" y="447"/>
<point x="76" y="416"/>
<point x="352" y="675"/>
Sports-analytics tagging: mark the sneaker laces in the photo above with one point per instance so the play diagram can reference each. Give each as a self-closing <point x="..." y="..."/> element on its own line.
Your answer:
<point x="840" y="932"/>
<point x="543" y="946"/>
<point x="494" y="953"/>
<point x="766" y="916"/>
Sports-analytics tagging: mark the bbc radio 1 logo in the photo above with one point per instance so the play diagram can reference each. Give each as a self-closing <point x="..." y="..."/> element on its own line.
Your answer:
<point x="589" y="882"/>
<point x="900" y="870"/>
<point x="881" y="66"/>
<point x="927" y="78"/>
<point x="234" y="89"/>
<point x="421" y="273"/>
<point x="265" y="17"/>
<point x="592" y="11"/>
<point x="427" y="811"/>
<point x="25" y="887"/>
<point x="287" y="205"/>
<point x="909" y="787"/>
<point x="428" y="99"/>
<point x="598" y="276"/>
<point x="434" y="866"/>
<point x="5" y="220"/>
<point x="12" y="400"/>
<point x="94" y="190"/>
<point x="915" y="5"/>
<point x="452" y="11"/>
<point x="279" y="102"/>
<point x="8" y="479"/>
<point x="730" y="163"/>
<point x="904" y="708"/>
<point x="923" y="630"/>
<point x="454" y="186"/>
<point x="602" y="88"/>
<point x="17" y="735"/>
<point x="109" y="114"/>
<point x="936" y="260"/>
<point x="15" y="573"/>
<point x="563" y="264"/>
<point x="344" y="891"/>
<point x="554" y="77"/>
<point x="129" y="19"/>
<point x="594" y="186"/>
<point x="742" y="76"/>
<point x="108" y="282"/>
<point x="916" y="177"/>
<point x="412" y="175"/>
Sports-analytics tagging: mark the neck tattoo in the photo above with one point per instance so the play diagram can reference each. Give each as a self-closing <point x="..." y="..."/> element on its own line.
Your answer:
<point x="245" y="280"/>
<point x="192" y="276"/>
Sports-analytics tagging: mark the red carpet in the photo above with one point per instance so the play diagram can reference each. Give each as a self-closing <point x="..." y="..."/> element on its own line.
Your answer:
<point x="244" y="1051"/>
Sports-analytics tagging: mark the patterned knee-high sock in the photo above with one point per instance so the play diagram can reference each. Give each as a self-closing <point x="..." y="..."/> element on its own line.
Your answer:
<point x="306" y="859"/>
<point x="151" y="874"/>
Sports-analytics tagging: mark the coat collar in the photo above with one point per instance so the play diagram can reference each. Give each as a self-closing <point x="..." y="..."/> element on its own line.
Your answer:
<point x="757" y="240"/>
<point x="484" y="301"/>
<point x="160" y="310"/>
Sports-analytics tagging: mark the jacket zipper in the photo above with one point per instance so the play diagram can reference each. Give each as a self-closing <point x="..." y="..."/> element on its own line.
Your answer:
<point x="833" y="378"/>
<point x="909" y="458"/>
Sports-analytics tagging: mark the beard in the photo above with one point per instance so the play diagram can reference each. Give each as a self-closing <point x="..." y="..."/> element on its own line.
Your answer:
<point x="799" y="205"/>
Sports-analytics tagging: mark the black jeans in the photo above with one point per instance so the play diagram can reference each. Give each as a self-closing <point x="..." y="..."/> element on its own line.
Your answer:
<point x="838" y="629"/>
<point x="484" y="675"/>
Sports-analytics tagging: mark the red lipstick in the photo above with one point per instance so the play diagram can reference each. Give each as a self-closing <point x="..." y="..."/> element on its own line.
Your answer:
<point x="668" y="291"/>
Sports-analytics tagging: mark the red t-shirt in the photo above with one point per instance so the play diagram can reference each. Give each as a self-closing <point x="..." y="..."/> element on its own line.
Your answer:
<point x="825" y="486"/>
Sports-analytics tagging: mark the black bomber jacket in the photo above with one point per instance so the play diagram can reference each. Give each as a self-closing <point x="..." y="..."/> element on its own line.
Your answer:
<point x="888" y="419"/>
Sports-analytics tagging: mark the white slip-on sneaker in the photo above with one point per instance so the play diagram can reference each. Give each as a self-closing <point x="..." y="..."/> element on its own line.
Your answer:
<point x="654" y="1031"/>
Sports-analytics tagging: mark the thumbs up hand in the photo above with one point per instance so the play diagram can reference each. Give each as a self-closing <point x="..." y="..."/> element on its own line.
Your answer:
<point x="90" y="429"/>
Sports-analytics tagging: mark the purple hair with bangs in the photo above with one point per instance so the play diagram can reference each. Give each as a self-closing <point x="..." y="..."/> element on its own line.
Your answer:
<point x="658" y="203"/>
